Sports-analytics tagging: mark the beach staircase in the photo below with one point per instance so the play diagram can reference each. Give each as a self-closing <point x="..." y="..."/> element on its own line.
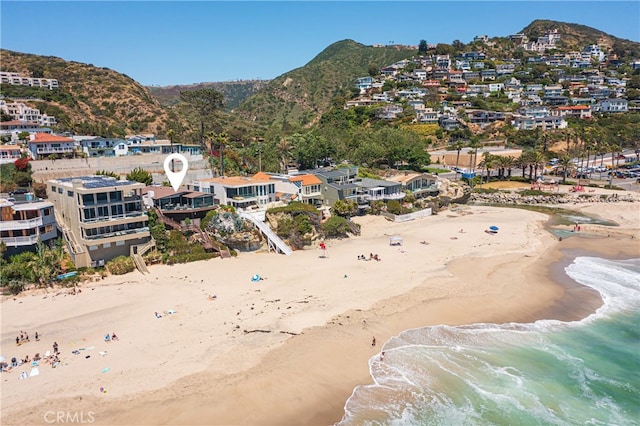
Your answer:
<point x="137" y="251"/>
<point x="69" y="237"/>
<point x="274" y="242"/>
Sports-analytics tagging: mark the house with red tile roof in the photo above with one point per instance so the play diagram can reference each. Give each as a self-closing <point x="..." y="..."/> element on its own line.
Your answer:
<point x="573" y="111"/>
<point x="42" y="145"/>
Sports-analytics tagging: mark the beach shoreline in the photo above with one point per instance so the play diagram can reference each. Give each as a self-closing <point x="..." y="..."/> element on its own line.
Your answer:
<point x="301" y="371"/>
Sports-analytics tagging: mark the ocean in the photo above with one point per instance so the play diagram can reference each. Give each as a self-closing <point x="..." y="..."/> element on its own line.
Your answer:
<point x="549" y="372"/>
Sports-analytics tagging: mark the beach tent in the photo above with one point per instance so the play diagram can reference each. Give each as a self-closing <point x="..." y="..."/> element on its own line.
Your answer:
<point x="395" y="240"/>
<point x="34" y="372"/>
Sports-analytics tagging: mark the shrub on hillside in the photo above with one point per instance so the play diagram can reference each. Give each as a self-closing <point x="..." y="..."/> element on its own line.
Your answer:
<point x="336" y="226"/>
<point x="120" y="265"/>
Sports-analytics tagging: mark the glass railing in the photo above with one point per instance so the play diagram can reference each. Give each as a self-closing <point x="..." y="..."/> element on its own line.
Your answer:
<point x="117" y="234"/>
<point x="21" y="224"/>
<point x="20" y="241"/>
<point x="112" y="217"/>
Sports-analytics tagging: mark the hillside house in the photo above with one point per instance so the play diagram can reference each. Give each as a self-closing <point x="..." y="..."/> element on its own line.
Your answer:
<point x="42" y="145"/>
<point x="9" y="153"/>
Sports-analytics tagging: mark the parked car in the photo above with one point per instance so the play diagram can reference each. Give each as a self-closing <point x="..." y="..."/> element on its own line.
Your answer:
<point x="19" y="191"/>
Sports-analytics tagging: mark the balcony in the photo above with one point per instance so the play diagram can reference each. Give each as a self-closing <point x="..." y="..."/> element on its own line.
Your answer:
<point x="54" y="150"/>
<point x="20" y="224"/>
<point x="117" y="236"/>
<point x="20" y="241"/>
<point x="113" y="218"/>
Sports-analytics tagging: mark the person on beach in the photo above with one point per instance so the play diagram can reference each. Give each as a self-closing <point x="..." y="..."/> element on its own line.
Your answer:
<point x="37" y="337"/>
<point x="157" y="315"/>
<point x="373" y="342"/>
<point x="382" y="356"/>
<point x="55" y="347"/>
<point x="113" y="336"/>
<point x="17" y="340"/>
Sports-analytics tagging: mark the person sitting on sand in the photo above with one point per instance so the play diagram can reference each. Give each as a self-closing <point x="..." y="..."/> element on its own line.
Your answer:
<point x="107" y="337"/>
<point x="157" y="315"/>
<point x="113" y="336"/>
<point x="213" y="297"/>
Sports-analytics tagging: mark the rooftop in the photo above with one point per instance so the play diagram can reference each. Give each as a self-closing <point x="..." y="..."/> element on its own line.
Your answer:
<point x="95" y="181"/>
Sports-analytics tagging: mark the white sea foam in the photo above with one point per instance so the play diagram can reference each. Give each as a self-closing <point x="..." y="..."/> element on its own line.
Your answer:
<point x="459" y="375"/>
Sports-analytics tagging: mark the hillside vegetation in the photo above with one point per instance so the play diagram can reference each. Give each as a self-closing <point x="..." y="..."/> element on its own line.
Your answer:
<point x="299" y="97"/>
<point x="235" y="92"/>
<point x="90" y="100"/>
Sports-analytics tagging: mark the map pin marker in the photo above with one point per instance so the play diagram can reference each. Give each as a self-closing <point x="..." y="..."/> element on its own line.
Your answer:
<point x="176" y="178"/>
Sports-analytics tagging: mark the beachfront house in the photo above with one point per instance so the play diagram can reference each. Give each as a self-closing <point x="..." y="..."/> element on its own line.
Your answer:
<point x="339" y="184"/>
<point x="237" y="191"/>
<point x="179" y="205"/>
<point x="100" y="217"/>
<point x="26" y="223"/>
<point x="309" y="189"/>
<point x="381" y="190"/>
<point x="419" y="185"/>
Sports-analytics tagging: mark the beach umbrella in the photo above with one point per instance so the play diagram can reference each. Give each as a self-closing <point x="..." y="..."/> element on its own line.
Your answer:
<point x="494" y="228"/>
<point x="255" y="278"/>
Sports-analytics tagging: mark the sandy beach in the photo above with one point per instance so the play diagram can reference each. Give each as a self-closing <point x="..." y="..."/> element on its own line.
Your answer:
<point x="289" y="349"/>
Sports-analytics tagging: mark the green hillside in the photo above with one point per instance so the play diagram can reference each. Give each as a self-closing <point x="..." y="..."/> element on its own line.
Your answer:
<point x="235" y="92"/>
<point x="90" y="100"/>
<point x="301" y="96"/>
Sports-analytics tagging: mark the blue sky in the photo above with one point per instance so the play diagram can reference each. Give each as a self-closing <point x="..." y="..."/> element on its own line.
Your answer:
<point x="167" y="42"/>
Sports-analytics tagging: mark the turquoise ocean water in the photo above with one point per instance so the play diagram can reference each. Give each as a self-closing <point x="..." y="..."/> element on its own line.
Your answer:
<point x="545" y="373"/>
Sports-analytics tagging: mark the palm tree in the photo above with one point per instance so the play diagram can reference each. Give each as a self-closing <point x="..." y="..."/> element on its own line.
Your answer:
<point x="537" y="160"/>
<point x="222" y="138"/>
<point x="601" y="149"/>
<point x="487" y="163"/>
<point x="458" y="145"/>
<point x="285" y="148"/>
<point x="475" y="145"/>
<point x="171" y="134"/>
<point x="566" y="164"/>
<point x="521" y="162"/>
<point x="507" y="162"/>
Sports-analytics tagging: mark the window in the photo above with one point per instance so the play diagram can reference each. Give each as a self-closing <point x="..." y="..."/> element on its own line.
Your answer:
<point x="106" y="245"/>
<point x="59" y="190"/>
<point x="53" y="188"/>
<point x="119" y="243"/>
<point x="115" y="196"/>
<point x="47" y="211"/>
<point x="116" y="210"/>
<point x="69" y="193"/>
<point x="89" y="214"/>
<point x="92" y="248"/>
<point x="103" y="211"/>
<point x="87" y="199"/>
<point x="101" y="197"/>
